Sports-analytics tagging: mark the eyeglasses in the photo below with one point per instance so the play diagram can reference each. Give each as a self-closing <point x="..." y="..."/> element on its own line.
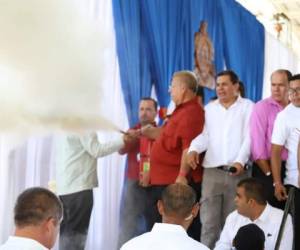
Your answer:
<point x="294" y="91"/>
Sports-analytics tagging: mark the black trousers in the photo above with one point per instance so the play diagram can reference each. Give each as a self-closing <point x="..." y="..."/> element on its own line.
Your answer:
<point x="194" y="230"/>
<point x="268" y="183"/>
<point x="296" y="217"/>
<point x="151" y="213"/>
<point x="74" y="227"/>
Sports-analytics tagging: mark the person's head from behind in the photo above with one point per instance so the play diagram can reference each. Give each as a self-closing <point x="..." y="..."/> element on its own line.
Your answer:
<point x="279" y="85"/>
<point x="147" y="110"/>
<point x="178" y="205"/>
<point x="249" y="237"/>
<point x="294" y="90"/>
<point x="183" y="86"/>
<point x="37" y="214"/>
<point x="250" y="195"/>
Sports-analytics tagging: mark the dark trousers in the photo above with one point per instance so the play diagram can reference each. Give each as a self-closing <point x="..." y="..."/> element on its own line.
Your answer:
<point x="268" y="184"/>
<point x="296" y="217"/>
<point x="74" y="227"/>
<point x="194" y="230"/>
<point x="132" y="214"/>
<point x="151" y="214"/>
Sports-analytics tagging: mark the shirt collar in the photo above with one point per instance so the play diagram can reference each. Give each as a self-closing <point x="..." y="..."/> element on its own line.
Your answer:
<point x="238" y="100"/>
<point x="273" y="102"/>
<point x="265" y="214"/>
<point x="158" y="227"/>
<point x="190" y="102"/>
<point x="27" y="242"/>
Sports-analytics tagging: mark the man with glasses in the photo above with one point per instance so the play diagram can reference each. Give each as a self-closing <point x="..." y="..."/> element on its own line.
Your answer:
<point x="261" y="126"/>
<point x="38" y="213"/>
<point x="286" y="134"/>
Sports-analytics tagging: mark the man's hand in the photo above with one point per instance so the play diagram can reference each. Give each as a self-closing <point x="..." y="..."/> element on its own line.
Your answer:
<point x="280" y="192"/>
<point x="181" y="179"/>
<point x="193" y="159"/>
<point x="131" y="136"/>
<point x="239" y="169"/>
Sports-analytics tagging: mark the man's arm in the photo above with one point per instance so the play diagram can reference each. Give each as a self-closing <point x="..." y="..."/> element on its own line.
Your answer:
<point x="184" y="169"/>
<point x="91" y="144"/>
<point x="151" y="132"/>
<point x="198" y="146"/>
<point x="279" y="135"/>
<point x="280" y="191"/>
<point x="130" y="145"/>
<point x="258" y="131"/>
<point x="244" y="153"/>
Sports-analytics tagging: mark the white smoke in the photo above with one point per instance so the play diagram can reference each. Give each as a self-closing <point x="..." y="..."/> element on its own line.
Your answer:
<point x="50" y="67"/>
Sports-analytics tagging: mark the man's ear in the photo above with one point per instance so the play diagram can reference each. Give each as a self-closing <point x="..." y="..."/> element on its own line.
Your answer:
<point x="195" y="210"/>
<point x="49" y="224"/>
<point x="160" y="207"/>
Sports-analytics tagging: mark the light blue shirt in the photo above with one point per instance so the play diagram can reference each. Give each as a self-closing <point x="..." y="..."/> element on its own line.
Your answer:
<point x="77" y="164"/>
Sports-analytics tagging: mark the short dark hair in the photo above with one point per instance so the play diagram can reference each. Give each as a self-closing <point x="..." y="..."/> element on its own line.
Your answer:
<point x="232" y="75"/>
<point x="35" y="205"/>
<point x="254" y="189"/>
<point x="242" y="89"/>
<point x="249" y="237"/>
<point x="294" y="77"/>
<point x="283" y="71"/>
<point x="178" y="199"/>
<point x="150" y="99"/>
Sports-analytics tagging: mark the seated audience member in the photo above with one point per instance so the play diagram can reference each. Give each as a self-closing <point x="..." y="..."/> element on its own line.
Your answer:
<point x="37" y="216"/>
<point x="249" y="237"/>
<point x="178" y="208"/>
<point x="252" y="207"/>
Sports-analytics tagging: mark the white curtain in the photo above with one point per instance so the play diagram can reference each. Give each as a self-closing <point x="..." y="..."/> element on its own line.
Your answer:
<point x="32" y="163"/>
<point x="277" y="56"/>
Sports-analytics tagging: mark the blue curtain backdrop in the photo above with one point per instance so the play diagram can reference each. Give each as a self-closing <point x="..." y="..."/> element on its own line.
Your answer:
<point x="166" y="30"/>
<point x="132" y="54"/>
<point x="244" y="40"/>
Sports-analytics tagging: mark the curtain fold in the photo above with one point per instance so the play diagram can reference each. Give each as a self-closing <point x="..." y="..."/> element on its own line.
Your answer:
<point x="164" y="26"/>
<point x="244" y="46"/>
<point x="132" y="54"/>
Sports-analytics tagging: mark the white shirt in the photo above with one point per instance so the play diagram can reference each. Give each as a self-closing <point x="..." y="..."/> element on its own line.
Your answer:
<point x="164" y="237"/>
<point x="21" y="243"/>
<point x="225" y="137"/>
<point x="286" y="133"/>
<point x="269" y="221"/>
<point x="77" y="165"/>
